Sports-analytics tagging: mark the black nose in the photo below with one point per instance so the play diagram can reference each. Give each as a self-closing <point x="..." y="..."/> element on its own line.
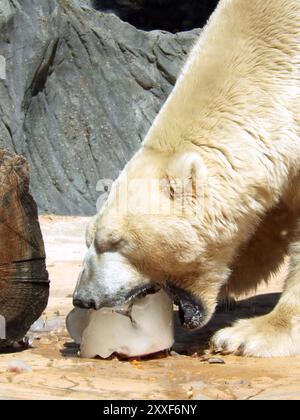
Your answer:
<point x="84" y="304"/>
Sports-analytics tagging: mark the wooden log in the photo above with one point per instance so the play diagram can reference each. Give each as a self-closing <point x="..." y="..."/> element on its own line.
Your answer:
<point x="24" y="283"/>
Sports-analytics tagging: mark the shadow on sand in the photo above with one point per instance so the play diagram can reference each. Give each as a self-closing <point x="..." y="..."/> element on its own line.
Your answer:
<point x="190" y="342"/>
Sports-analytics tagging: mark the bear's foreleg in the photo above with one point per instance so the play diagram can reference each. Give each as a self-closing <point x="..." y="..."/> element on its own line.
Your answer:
<point x="274" y="334"/>
<point x="264" y="253"/>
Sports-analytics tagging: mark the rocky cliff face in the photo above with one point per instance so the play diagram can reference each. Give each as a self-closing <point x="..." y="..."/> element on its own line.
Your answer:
<point x="82" y="88"/>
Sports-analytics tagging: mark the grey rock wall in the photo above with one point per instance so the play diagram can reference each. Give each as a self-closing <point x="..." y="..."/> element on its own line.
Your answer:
<point x="81" y="90"/>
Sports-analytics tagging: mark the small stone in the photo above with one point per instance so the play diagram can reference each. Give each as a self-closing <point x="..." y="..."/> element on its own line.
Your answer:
<point x="18" y="366"/>
<point x="174" y="354"/>
<point x="216" y="361"/>
<point x="190" y="393"/>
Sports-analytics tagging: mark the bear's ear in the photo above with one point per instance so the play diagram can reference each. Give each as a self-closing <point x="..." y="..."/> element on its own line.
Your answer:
<point x="190" y="166"/>
<point x="185" y="178"/>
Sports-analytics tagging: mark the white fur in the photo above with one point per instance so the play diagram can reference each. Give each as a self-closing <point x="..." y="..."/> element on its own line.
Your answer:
<point x="232" y="127"/>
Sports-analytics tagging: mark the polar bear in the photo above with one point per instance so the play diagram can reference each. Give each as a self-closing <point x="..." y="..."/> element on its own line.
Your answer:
<point x="210" y="204"/>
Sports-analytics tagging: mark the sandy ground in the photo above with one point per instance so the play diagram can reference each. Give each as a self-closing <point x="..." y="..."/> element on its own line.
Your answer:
<point x="55" y="371"/>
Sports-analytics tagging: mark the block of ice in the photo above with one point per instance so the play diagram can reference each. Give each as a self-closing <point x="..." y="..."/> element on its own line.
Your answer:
<point x="44" y="325"/>
<point x="137" y="329"/>
<point x="77" y="321"/>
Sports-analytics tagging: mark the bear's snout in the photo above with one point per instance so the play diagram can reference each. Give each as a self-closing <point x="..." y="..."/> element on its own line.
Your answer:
<point x="108" y="279"/>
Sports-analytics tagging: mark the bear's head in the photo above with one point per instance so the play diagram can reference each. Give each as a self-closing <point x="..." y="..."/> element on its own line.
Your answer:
<point x="153" y="233"/>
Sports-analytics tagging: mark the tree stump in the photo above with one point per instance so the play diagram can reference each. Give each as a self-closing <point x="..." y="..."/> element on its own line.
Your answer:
<point x="24" y="284"/>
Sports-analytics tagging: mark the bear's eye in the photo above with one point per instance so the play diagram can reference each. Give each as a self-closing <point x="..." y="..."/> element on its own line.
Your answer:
<point x="108" y="243"/>
<point x="115" y="242"/>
